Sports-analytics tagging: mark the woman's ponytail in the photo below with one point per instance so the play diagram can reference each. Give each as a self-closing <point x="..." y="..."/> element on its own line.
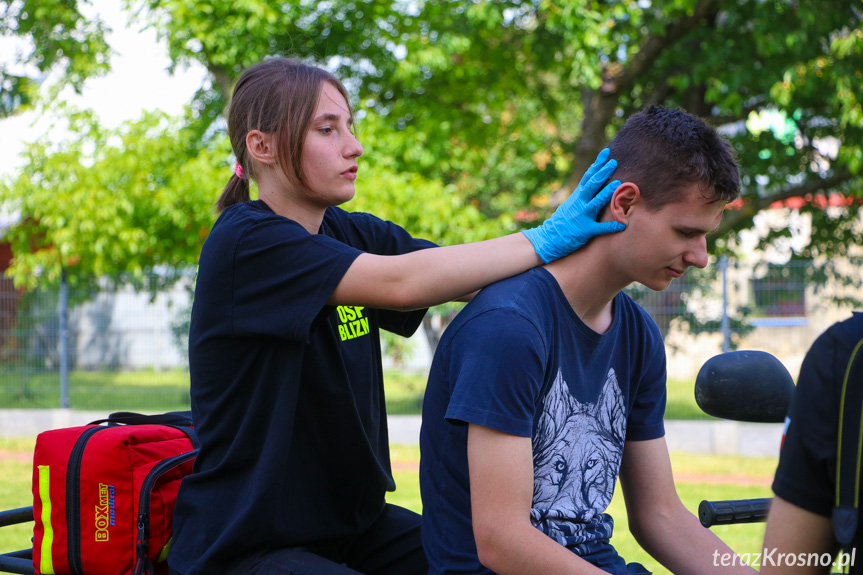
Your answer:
<point x="236" y="191"/>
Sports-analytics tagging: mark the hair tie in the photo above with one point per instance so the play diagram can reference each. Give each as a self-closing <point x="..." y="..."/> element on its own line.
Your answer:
<point x="238" y="170"/>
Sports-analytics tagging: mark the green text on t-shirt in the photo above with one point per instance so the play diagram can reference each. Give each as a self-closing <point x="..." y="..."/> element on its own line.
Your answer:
<point x="353" y="323"/>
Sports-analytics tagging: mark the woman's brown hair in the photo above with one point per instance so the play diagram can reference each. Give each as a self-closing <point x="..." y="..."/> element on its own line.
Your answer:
<point x="277" y="96"/>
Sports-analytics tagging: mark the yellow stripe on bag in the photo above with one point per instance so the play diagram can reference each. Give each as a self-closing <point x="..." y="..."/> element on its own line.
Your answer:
<point x="163" y="556"/>
<point x="46" y="563"/>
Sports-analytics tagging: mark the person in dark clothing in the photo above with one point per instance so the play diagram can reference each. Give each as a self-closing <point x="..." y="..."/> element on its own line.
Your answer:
<point x="550" y="385"/>
<point x="284" y="346"/>
<point x="800" y="534"/>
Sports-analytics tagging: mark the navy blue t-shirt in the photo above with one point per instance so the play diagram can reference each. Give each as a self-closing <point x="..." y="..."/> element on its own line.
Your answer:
<point x="806" y="475"/>
<point x="287" y="392"/>
<point x="519" y="360"/>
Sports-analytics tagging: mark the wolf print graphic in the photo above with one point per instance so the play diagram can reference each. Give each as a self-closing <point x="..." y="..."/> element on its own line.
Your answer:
<point x="577" y="449"/>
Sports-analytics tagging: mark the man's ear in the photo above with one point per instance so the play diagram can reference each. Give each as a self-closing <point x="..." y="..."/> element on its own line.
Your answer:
<point x="261" y="147"/>
<point x="625" y="198"/>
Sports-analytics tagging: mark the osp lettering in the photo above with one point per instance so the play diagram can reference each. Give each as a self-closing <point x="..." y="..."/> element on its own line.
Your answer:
<point x="349" y="313"/>
<point x="354" y="324"/>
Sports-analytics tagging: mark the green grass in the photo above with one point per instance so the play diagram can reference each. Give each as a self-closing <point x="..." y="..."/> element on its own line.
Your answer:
<point x="681" y="401"/>
<point x="16" y="470"/>
<point x="169" y="391"/>
<point x="404" y="391"/>
<point x="745" y="538"/>
<point x="98" y="390"/>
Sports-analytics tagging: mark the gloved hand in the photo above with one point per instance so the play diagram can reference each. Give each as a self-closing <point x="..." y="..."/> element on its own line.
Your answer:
<point x="573" y="223"/>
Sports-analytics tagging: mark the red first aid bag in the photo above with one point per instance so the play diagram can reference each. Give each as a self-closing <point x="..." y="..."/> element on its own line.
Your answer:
<point x="103" y="495"/>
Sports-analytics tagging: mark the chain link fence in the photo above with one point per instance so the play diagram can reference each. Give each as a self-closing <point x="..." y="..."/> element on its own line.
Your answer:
<point x="119" y="349"/>
<point x="115" y="349"/>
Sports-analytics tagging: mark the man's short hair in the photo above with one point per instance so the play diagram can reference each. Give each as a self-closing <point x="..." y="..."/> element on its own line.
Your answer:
<point x="662" y="150"/>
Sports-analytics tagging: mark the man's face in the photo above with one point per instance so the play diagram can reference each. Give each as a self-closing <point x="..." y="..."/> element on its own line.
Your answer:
<point x="664" y="243"/>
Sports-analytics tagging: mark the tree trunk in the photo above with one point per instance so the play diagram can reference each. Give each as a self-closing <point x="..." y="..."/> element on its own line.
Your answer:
<point x="599" y="107"/>
<point x="222" y="81"/>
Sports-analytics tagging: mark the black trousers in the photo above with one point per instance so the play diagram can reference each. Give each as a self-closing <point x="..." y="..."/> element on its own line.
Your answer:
<point x="392" y="546"/>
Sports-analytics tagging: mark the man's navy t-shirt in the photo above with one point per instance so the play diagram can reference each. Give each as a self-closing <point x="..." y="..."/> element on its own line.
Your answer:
<point x="287" y="392"/>
<point x="519" y="360"/>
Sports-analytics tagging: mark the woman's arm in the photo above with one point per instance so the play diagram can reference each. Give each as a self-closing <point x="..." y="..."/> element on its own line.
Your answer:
<point x="433" y="276"/>
<point x="437" y="275"/>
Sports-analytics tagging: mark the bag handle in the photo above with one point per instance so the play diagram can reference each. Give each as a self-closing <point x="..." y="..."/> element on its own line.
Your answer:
<point x="182" y="420"/>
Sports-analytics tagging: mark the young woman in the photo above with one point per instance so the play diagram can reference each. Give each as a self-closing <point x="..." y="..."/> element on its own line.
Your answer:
<point x="284" y="349"/>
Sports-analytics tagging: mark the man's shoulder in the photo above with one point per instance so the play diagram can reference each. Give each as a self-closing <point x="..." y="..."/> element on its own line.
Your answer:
<point x="522" y="290"/>
<point x="528" y="295"/>
<point x="839" y="339"/>
<point x="513" y="305"/>
<point x="850" y="330"/>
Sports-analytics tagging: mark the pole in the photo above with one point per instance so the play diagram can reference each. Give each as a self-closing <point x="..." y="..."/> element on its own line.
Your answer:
<point x="726" y="323"/>
<point x="64" y="341"/>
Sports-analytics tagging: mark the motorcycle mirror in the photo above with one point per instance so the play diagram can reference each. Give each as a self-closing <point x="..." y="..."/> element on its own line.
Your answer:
<point x="744" y="385"/>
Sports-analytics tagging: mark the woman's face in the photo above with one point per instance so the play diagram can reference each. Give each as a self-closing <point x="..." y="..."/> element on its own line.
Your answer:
<point x="330" y="151"/>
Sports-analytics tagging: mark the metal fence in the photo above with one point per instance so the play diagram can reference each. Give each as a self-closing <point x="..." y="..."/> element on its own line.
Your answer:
<point x="112" y="349"/>
<point x="118" y="349"/>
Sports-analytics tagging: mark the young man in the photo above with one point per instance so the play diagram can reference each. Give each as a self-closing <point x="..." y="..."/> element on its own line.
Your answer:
<point x="550" y="384"/>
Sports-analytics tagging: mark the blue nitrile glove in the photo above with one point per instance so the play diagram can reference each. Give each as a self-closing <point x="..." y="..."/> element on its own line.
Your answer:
<point x="573" y="223"/>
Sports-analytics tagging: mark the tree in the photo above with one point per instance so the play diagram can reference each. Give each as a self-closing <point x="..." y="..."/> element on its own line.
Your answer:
<point x="111" y="202"/>
<point x="501" y="105"/>
<point x="511" y="100"/>
<point x="51" y="34"/>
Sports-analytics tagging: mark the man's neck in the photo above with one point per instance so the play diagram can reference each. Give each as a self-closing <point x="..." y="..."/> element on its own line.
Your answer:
<point x="589" y="283"/>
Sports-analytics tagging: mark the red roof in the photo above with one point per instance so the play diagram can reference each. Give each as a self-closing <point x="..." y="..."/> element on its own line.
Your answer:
<point x="5" y="256"/>
<point x="822" y="201"/>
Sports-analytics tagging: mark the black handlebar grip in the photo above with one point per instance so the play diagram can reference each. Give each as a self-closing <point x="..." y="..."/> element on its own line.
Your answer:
<point x="16" y="516"/>
<point x="735" y="511"/>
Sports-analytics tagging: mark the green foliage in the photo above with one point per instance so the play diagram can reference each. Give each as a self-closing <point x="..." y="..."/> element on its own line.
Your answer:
<point x="110" y="202"/>
<point x="398" y="349"/>
<point x="478" y="117"/>
<point x="425" y="207"/>
<point x="509" y="101"/>
<point x="52" y="34"/>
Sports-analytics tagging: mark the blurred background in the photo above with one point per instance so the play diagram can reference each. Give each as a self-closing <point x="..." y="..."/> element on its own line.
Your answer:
<point x="478" y="117"/>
